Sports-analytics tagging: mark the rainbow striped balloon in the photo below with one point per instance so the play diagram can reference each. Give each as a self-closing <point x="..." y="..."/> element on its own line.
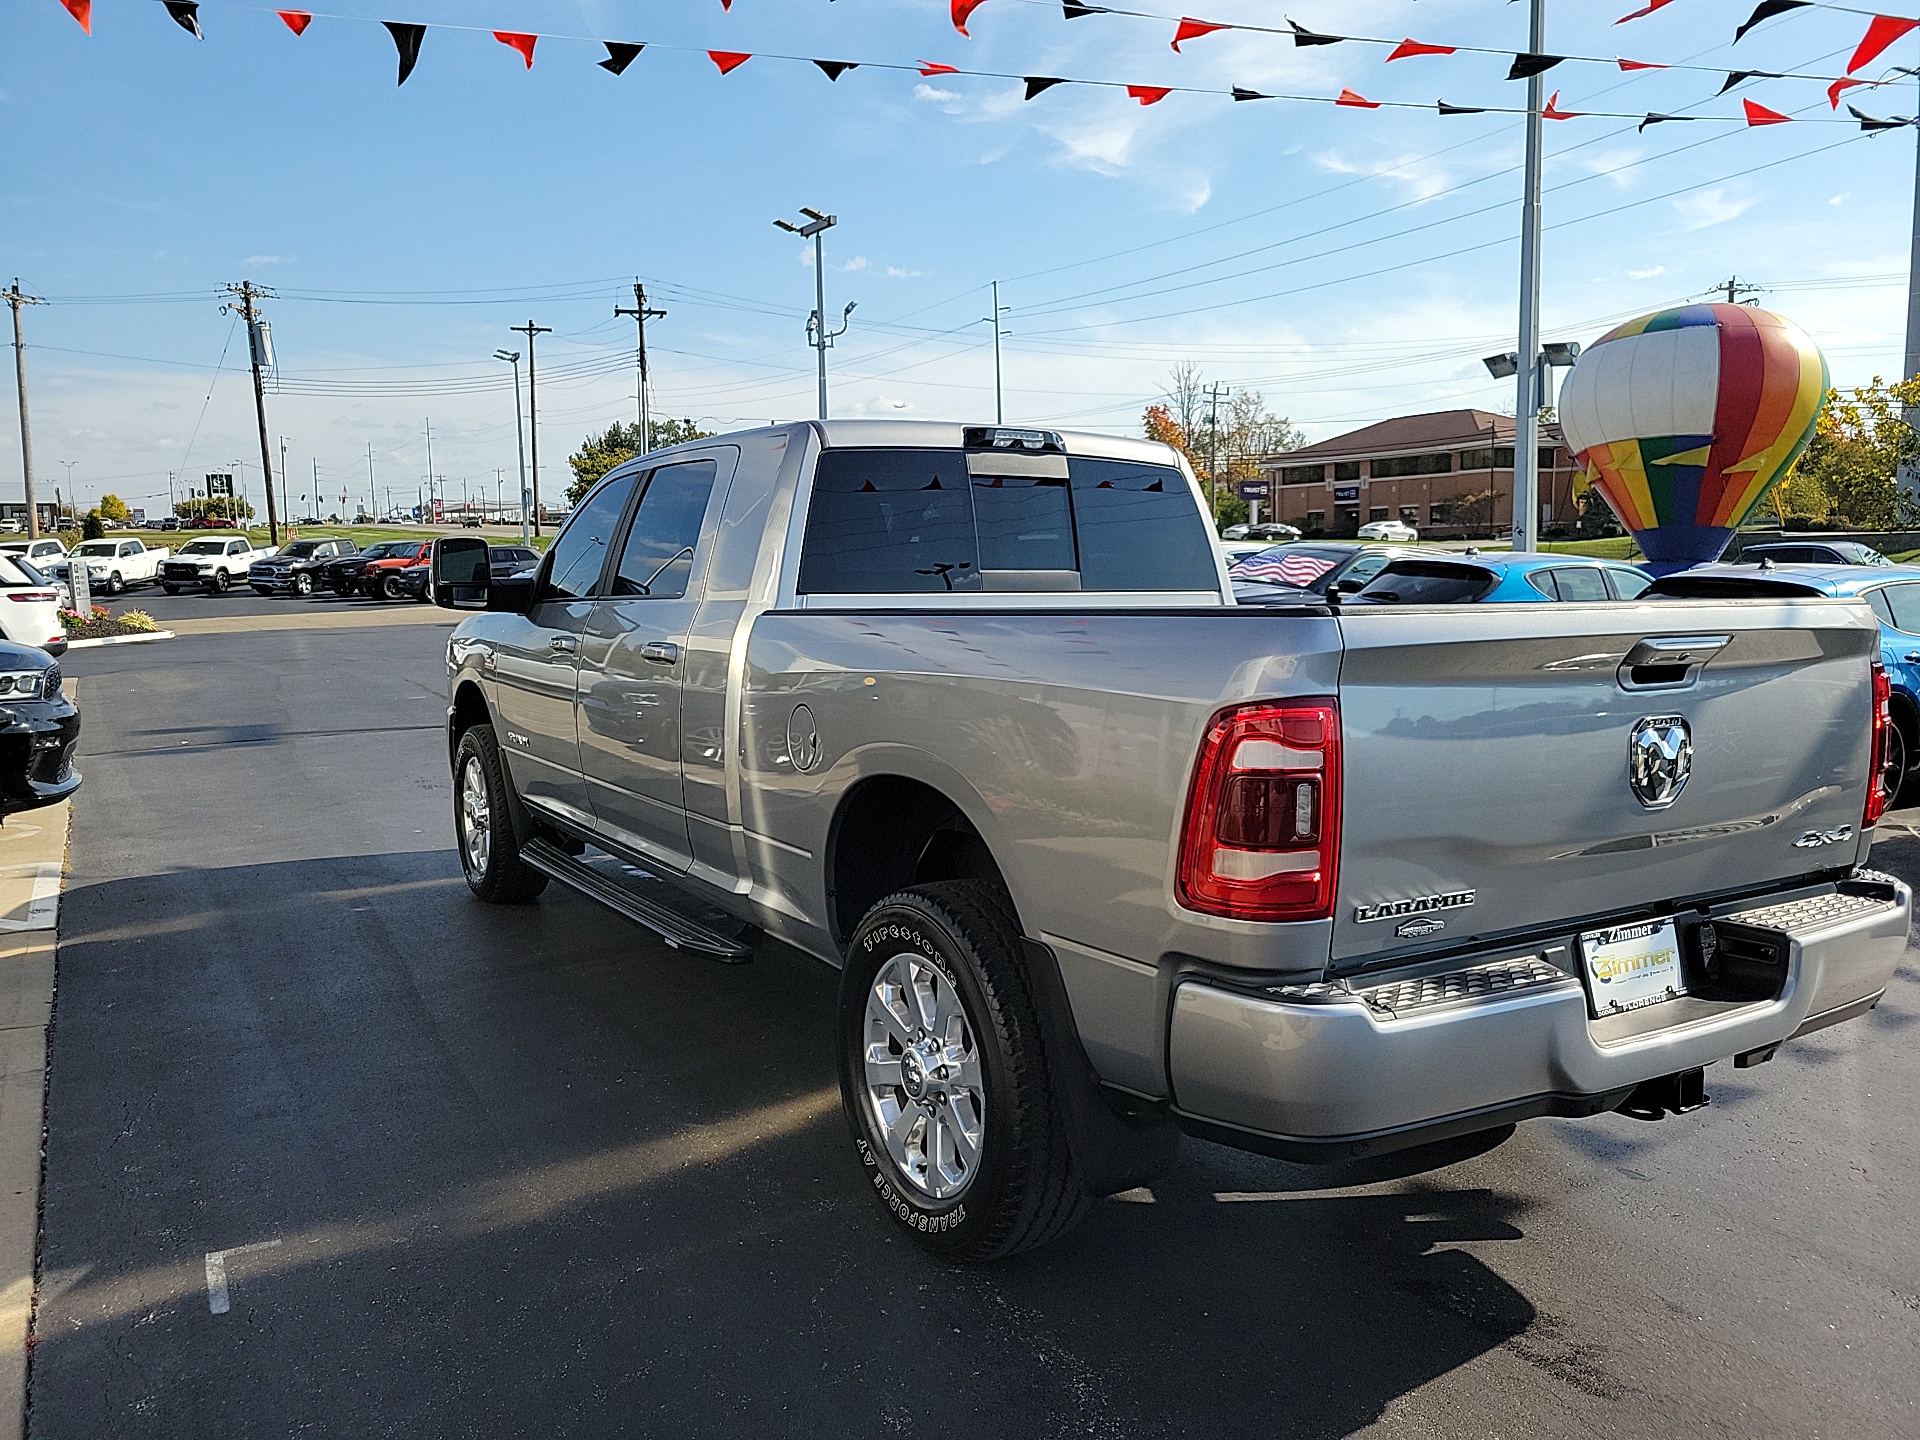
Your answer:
<point x="1686" y="418"/>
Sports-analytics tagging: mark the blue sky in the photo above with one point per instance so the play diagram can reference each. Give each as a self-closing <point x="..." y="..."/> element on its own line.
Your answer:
<point x="1349" y="264"/>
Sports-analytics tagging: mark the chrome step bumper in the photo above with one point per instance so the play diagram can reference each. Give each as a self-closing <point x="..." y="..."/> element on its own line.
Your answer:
<point x="1345" y="1068"/>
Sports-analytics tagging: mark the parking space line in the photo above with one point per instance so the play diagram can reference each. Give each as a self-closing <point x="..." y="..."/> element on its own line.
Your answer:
<point x="218" y="1300"/>
<point x="42" y="909"/>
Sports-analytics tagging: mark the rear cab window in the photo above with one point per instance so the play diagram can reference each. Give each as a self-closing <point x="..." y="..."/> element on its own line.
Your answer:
<point x="923" y="521"/>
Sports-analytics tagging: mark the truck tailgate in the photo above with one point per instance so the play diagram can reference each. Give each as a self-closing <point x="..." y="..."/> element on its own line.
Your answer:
<point x="1487" y="788"/>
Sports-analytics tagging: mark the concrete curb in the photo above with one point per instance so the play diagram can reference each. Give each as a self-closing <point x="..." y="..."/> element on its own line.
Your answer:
<point x="33" y="851"/>
<point x="120" y="640"/>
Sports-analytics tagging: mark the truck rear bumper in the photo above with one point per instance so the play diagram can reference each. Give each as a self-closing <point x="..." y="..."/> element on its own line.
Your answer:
<point x="1350" y="1068"/>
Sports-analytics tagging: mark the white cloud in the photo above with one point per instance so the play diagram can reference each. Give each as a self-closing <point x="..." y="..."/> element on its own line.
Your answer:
<point x="858" y="262"/>
<point x="894" y="272"/>
<point x="1711" y="207"/>
<point x="948" y="100"/>
<point x="1418" y="173"/>
<point x="269" y="260"/>
<point x="1648" y="273"/>
<point x="1196" y="192"/>
<point x="1841" y="198"/>
<point x="1104" y="148"/>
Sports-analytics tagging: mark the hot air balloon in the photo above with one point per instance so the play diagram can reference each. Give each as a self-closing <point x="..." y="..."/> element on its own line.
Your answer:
<point x="1686" y="418"/>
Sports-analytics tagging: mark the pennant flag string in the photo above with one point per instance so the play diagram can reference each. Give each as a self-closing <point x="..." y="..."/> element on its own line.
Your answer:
<point x="1766" y="10"/>
<point x="1191" y="30"/>
<point x="1884" y="30"/>
<point x="1407" y="49"/>
<point x="408" y="39"/>
<point x="186" y="14"/>
<point x="1638" y="15"/>
<point x="1758" y="114"/>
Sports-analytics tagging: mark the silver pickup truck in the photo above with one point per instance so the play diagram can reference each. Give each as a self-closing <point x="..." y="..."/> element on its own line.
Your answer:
<point x="1104" y="858"/>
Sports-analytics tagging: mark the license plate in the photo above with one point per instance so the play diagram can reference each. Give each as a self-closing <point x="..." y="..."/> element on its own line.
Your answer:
<point x="1629" y="966"/>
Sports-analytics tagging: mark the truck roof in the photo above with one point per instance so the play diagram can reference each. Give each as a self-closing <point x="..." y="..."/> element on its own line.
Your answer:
<point x="951" y="435"/>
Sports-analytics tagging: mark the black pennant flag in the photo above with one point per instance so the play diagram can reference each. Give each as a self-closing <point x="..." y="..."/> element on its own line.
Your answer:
<point x="1867" y="122"/>
<point x="1037" y="83"/>
<point x="1657" y="119"/>
<point x="1074" y="9"/>
<point x="1304" y="36"/>
<point x="834" y="69"/>
<point x="186" y="14"/>
<point x="1734" y="77"/>
<point x="1446" y="109"/>
<point x="1240" y="94"/>
<point x="406" y="39"/>
<point x="619" y="56"/>
<point x="1766" y="10"/>
<point x="1527" y="66"/>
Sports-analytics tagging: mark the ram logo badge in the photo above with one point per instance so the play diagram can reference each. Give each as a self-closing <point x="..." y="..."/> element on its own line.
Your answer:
<point x="1659" y="759"/>
<point x="1414" y="905"/>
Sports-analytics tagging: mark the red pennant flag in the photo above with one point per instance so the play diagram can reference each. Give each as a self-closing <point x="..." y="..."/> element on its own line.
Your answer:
<point x="81" y="10"/>
<point x="297" y="20"/>
<point x="1194" y="29"/>
<point x="523" y="43"/>
<point x="1833" y="91"/>
<point x="728" y="59"/>
<point x="1149" y="94"/>
<point x="727" y="5"/>
<point x="1638" y="13"/>
<point x="961" y="10"/>
<point x="1761" y="115"/>
<point x="1552" y="110"/>
<point x="1347" y="97"/>
<point x="932" y="67"/>
<point x="1884" y="30"/>
<point x="1408" y="48"/>
<point x="1638" y="64"/>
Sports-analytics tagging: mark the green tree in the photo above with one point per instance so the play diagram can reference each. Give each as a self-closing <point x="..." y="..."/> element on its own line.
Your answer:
<point x="90" y="526"/>
<point x="112" y="507"/>
<point x="1860" y="444"/>
<point x="600" y="453"/>
<point x="214" y="505"/>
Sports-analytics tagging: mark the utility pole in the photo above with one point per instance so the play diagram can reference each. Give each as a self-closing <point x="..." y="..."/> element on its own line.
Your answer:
<point x="16" y="299"/>
<point x="533" y="414"/>
<point x="1526" y="406"/>
<point x="512" y="357"/>
<point x="283" y="480"/>
<point x="429" y="461"/>
<point x="641" y="314"/>
<point x="1213" y="447"/>
<point x="999" y="410"/>
<point x="316" y="488"/>
<point x="259" y="353"/>
<point x="818" y="335"/>
<point x="1737" y="289"/>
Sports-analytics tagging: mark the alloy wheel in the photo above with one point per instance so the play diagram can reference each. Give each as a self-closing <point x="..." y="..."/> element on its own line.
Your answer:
<point x="925" y="1086"/>
<point x="476" y="817"/>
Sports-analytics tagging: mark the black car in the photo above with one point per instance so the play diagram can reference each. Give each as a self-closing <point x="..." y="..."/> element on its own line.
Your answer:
<point x="342" y="576"/>
<point x="1810" y="552"/>
<point x="502" y="561"/>
<point x="295" y="568"/>
<point x="38" y="728"/>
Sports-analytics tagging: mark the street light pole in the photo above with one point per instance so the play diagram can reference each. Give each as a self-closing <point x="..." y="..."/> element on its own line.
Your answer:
<point x="818" y="335"/>
<point x="512" y="357"/>
<point x="533" y="421"/>
<point x="1526" y="406"/>
<point x="999" y="409"/>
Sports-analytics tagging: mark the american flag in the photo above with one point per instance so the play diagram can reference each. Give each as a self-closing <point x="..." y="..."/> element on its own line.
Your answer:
<point x="1286" y="568"/>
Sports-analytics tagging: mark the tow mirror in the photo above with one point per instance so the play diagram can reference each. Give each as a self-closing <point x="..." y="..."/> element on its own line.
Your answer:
<point x="458" y="577"/>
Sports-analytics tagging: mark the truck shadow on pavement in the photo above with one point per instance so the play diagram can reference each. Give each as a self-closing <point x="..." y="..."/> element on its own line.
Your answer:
<point x="526" y="1171"/>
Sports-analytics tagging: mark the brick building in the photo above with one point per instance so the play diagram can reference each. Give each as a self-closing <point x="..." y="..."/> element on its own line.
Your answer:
<point x="1449" y="473"/>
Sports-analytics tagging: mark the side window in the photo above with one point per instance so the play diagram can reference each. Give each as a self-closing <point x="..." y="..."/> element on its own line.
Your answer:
<point x="1628" y="584"/>
<point x="1580" y="582"/>
<point x="1878" y="600"/>
<point x="657" y="558"/>
<point x="1905" y="600"/>
<point x="1138" y="528"/>
<point x="239" y="547"/>
<point x="1542" y="580"/>
<point x="581" y="549"/>
<point x="890" y="522"/>
<point x="130" y="547"/>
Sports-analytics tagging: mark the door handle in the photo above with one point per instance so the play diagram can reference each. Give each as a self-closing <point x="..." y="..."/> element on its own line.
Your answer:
<point x="565" y="644"/>
<point x="663" y="652"/>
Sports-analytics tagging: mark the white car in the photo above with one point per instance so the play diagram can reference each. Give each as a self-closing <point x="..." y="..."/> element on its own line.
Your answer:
<point x="1396" y="532"/>
<point x="112" y="565"/>
<point x="215" y="564"/>
<point x="29" y="607"/>
<point x="42" y="554"/>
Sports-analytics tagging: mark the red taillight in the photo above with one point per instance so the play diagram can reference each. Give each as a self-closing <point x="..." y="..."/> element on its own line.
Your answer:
<point x="27" y="596"/>
<point x="1877" y="796"/>
<point x="1262" y="833"/>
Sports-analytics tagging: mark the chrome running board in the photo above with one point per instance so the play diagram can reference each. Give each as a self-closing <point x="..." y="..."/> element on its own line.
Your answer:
<point x="678" y="930"/>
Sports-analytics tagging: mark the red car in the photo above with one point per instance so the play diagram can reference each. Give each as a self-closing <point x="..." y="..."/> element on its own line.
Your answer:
<point x="380" y="579"/>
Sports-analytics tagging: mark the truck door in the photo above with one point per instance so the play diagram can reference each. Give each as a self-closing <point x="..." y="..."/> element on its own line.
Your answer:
<point x="632" y="659"/>
<point x="536" y="660"/>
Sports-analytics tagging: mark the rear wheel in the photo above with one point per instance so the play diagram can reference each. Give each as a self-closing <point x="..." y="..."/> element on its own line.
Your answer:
<point x="944" y="1078"/>
<point x="483" y="826"/>
<point x="1898" y="757"/>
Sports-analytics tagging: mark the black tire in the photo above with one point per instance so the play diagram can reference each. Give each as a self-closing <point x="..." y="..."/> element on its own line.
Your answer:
<point x="115" y="584"/>
<point x="1898" y="764"/>
<point x="221" y="582"/>
<point x="343" y="588"/>
<point x="390" y="588"/>
<point x="303" y="585"/>
<point x="1025" y="1188"/>
<point x="494" y="871"/>
<point x="171" y="589"/>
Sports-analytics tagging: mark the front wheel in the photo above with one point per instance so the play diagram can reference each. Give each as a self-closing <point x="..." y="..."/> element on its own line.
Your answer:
<point x="303" y="585"/>
<point x="171" y="589"/>
<point x="390" y="588"/>
<point x="482" y="826"/>
<point x="221" y="582"/>
<point x="944" y="1080"/>
<point x="115" y="584"/>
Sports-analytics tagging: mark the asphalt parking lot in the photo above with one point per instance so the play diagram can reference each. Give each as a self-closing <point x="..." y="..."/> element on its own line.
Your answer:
<point x="466" y="1170"/>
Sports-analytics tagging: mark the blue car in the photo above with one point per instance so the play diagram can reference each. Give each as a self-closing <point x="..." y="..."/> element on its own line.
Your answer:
<point x="1892" y="590"/>
<point x="1501" y="576"/>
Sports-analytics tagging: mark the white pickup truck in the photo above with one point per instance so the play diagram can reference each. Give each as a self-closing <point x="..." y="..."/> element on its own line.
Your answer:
<point x="215" y="564"/>
<point x="113" y="565"/>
